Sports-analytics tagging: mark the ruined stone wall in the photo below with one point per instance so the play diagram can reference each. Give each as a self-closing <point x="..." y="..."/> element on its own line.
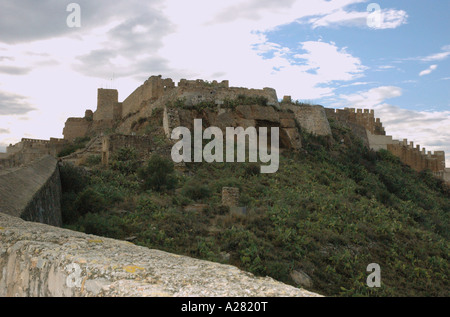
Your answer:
<point x="28" y="150"/>
<point x="32" y="192"/>
<point x="127" y="122"/>
<point x="312" y="119"/>
<point x="6" y="162"/>
<point x="195" y="92"/>
<point x="14" y="148"/>
<point x="143" y="145"/>
<point x="199" y="83"/>
<point x="76" y="128"/>
<point x="81" y="127"/>
<point x="152" y="89"/>
<point x="230" y="196"/>
<point x="156" y="92"/>
<point x="171" y="120"/>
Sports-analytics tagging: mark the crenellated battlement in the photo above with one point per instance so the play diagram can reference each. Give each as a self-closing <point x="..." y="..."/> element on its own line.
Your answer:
<point x="416" y="157"/>
<point x="200" y="83"/>
<point x="28" y="150"/>
<point x="363" y="117"/>
<point x="35" y="141"/>
<point x="413" y="155"/>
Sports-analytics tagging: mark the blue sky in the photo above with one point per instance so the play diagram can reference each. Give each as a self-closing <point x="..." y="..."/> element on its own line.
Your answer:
<point x="320" y="51"/>
<point x="393" y="56"/>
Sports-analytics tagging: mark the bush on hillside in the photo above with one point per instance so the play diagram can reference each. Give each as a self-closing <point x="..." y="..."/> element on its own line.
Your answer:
<point x="158" y="174"/>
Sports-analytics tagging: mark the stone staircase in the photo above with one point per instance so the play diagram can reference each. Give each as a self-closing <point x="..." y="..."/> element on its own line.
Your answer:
<point x="94" y="147"/>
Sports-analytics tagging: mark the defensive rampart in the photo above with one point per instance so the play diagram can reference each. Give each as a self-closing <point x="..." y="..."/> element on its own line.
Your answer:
<point x="32" y="192"/>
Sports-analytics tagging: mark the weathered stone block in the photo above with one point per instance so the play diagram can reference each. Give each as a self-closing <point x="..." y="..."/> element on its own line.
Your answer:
<point x="230" y="196"/>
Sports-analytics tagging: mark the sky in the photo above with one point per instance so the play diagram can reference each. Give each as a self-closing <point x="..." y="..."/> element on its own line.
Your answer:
<point x="390" y="56"/>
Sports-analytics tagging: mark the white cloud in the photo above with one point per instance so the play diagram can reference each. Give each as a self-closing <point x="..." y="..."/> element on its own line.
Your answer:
<point x="386" y="67"/>
<point x="357" y="83"/>
<point x="340" y="17"/>
<point x="435" y="57"/>
<point x="309" y="75"/>
<point x="438" y="56"/>
<point x="234" y="49"/>
<point x="428" y="71"/>
<point x="389" y="18"/>
<point x="371" y="97"/>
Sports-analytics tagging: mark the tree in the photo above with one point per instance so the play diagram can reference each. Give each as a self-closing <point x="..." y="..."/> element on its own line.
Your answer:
<point x="158" y="174"/>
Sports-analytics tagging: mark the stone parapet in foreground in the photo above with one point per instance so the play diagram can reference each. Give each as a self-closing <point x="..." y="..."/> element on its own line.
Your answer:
<point x="41" y="260"/>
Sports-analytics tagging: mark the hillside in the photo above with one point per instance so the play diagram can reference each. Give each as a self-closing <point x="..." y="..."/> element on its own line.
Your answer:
<point x="332" y="208"/>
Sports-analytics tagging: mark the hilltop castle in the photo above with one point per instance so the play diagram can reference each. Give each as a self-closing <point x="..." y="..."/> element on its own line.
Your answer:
<point x="115" y="124"/>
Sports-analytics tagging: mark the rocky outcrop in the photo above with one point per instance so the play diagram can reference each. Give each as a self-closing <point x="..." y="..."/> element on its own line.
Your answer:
<point x="312" y="119"/>
<point x="242" y="116"/>
<point x="40" y="260"/>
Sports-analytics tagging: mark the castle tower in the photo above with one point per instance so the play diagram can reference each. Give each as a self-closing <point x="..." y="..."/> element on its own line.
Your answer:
<point x="107" y="99"/>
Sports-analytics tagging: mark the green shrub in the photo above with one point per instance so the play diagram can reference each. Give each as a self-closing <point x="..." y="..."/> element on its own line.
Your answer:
<point x="73" y="179"/>
<point x="77" y="144"/>
<point x="252" y="169"/>
<point x="158" y="174"/>
<point x="125" y="161"/>
<point x="69" y="213"/>
<point x="90" y="201"/>
<point x="196" y="190"/>
<point x="101" y="225"/>
<point x="223" y="210"/>
<point x="93" y="160"/>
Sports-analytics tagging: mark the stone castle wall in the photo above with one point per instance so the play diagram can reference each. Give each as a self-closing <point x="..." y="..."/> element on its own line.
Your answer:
<point x="416" y="158"/>
<point x="28" y="150"/>
<point x="312" y="119"/>
<point x="76" y="128"/>
<point x="143" y="145"/>
<point x="152" y="89"/>
<point x="32" y="192"/>
<point x="195" y="92"/>
<point x="107" y="101"/>
<point x="413" y="156"/>
<point x="230" y="196"/>
<point x="362" y="117"/>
